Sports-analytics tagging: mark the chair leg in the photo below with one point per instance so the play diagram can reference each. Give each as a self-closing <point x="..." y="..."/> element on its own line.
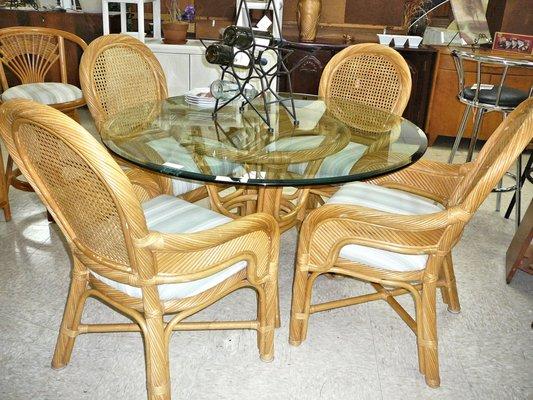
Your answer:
<point x="267" y="321"/>
<point x="451" y="286"/>
<point x="518" y="191"/>
<point x="4" y="197"/>
<point x="301" y="299"/>
<point x="71" y="316"/>
<point x="460" y="133"/>
<point x="475" y="132"/>
<point x="157" y="364"/>
<point x="429" y="332"/>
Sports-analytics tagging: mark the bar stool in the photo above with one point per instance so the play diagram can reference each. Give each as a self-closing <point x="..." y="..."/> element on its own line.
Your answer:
<point x="485" y="97"/>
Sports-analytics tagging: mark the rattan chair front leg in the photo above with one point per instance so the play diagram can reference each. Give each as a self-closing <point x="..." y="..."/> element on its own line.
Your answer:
<point x="72" y="314"/>
<point x="156" y="347"/>
<point x="429" y="341"/>
<point x="4" y="199"/>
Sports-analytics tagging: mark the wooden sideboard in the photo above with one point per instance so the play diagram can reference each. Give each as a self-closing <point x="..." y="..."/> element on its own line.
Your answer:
<point x="445" y="111"/>
<point x="85" y="25"/>
<point x="309" y="59"/>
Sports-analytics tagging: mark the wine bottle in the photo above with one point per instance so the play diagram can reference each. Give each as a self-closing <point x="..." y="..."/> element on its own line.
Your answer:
<point x="243" y="37"/>
<point x="219" y="54"/>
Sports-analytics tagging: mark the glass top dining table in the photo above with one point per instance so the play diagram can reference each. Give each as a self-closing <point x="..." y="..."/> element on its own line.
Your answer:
<point x="334" y="141"/>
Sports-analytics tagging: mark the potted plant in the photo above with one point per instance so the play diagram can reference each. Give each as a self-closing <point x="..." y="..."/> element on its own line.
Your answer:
<point x="175" y="30"/>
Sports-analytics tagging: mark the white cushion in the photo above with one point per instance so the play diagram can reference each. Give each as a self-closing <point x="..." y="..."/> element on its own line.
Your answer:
<point x="168" y="214"/>
<point x="387" y="200"/>
<point x="44" y="92"/>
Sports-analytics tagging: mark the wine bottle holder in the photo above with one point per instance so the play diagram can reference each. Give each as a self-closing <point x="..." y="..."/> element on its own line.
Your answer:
<point x="258" y="71"/>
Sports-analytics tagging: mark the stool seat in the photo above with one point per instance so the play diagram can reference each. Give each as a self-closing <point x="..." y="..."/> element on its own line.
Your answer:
<point x="509" y="97"/>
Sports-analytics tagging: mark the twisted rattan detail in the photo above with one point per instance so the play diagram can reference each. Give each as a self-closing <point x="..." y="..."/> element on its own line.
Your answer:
<point x="460" y="188"/>
<point x="97" y="209"/>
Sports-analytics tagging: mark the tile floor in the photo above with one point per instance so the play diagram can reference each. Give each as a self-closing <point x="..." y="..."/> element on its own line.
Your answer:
<point x="361" y="352"/>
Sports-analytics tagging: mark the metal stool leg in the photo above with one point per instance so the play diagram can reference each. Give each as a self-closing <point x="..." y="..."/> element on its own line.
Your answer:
<point x="499" y="196"/>
<point x="518" y="191"/>
<point x="475" y="133"/>
<point x="523" y="178"/>
<point x="460" y="132"/>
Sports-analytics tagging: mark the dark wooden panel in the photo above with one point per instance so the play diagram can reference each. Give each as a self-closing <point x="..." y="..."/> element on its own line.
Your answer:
<point x="218" y="8"/>
<point x="308" y="61"/>
<point x="377" y="12"/>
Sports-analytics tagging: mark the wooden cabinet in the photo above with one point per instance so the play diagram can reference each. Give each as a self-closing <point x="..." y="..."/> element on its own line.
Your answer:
<point x="85" y="25"/>
<point x="445" y="111"/>
<point x="309" y="60"/>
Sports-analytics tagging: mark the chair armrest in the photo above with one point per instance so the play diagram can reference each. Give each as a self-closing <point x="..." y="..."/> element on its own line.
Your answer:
<point x="254" y="238"/>
<point x="329" y="228"/>
<point x="148" y="185"/>
<point x="430" y="179"/>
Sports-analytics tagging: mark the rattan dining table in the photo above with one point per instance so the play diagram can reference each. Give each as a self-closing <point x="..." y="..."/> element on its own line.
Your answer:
<point x="248" y="167"/>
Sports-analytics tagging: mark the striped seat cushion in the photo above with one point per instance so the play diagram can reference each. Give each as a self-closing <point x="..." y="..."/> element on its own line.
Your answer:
<point x="45" y="92"/>
<point x="168" y="214"/>
<point x="387" y="200"/>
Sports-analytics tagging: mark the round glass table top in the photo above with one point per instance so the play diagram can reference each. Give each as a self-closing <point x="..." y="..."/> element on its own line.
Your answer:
<point x="334" y="141"/>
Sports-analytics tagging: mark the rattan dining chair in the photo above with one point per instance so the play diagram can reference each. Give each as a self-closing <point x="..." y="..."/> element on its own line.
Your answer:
<point x="118" y="72"/>
<point x="364" y="74"/>
<point x="393" y="235"/>
<point x="166" y="256"/>
<point x="32" y="55"/>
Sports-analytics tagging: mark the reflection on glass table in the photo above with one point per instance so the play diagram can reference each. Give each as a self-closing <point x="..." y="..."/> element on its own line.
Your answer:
<point x="336" y="141"/>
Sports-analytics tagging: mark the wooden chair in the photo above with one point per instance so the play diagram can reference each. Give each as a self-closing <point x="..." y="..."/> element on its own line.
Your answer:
<point x="400" y="242"/>
<point x="30" y="54"/>
<point x="167" y="256"/>
<point x="118" y="72"/>
<point x="364" y="74"/>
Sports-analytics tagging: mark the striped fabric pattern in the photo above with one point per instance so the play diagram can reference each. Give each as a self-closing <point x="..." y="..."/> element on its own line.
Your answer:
<point x="44" y="92"/>
<point x="338" y="164"/>
<point x="387" y="200"/>
<point x="169" y="214"/>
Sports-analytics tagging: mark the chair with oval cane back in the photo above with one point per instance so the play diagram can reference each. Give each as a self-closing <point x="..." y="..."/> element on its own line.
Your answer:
<point x="166" y="256"/>
<point x="369" y="74"/>
<point x="37" y="57"/>
<point x="118" y="72"/>
<point x="400" y="242"/>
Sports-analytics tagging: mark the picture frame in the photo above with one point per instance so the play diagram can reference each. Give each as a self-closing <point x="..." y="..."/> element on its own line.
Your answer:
<point x="471" y="21"/>
<point x="513" y="43"/>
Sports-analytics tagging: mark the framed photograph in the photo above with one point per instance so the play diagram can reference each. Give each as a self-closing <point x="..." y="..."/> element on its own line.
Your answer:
<point x="513" y="42"/>
<point x="471" y="20"/>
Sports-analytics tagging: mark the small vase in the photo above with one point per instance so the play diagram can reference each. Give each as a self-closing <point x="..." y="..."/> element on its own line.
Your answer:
<point x="308" y="17"/>
<point x="175" y="32"/>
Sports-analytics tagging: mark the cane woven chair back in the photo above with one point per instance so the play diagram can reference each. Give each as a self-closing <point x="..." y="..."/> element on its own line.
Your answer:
<point x="82" y="186"/>
<point x="118" y="72"/>
<point x="495" y="158"/>
<point x="370" y="74"/>
<point x="30" y="52"/>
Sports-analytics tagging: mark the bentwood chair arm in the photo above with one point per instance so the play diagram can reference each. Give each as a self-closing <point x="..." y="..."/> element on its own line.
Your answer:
<point x="257" y="233"/>
<point x="339" y="225"/>
<point x="148" y="185"/>
<point x="430" y="179"/>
